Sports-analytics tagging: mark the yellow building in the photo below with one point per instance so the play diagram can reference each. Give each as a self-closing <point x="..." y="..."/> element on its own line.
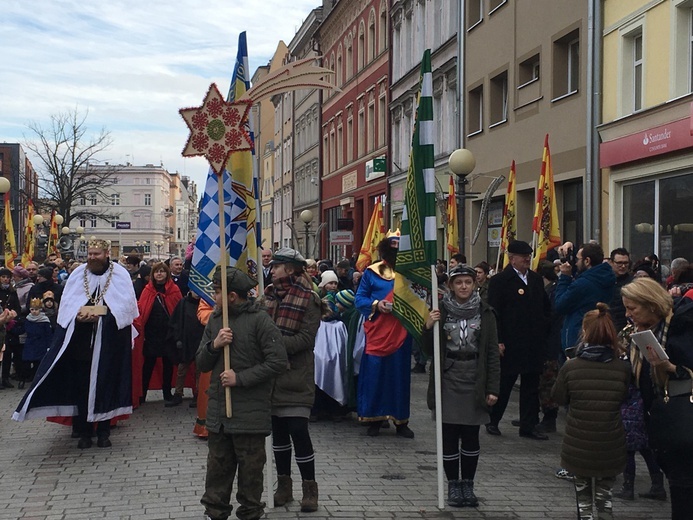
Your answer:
<point x="646" y="154"/>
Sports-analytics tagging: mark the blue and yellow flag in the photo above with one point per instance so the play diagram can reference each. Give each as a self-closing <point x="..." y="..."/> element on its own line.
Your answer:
<point x="239" y="199"/>
<point x="418" y="242"/>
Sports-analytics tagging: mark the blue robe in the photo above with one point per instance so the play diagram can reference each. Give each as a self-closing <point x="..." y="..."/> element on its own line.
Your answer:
<point x="384" y="383"/>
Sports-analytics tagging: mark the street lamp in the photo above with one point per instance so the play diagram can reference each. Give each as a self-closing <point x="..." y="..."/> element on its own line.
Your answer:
<point x="158" y="244"/>
<point x="58" y="219"/>
<point x="461" y="163"/>
<point x="306" y="217"/>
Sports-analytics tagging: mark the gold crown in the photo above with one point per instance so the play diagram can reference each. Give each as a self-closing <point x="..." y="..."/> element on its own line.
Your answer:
<point x="393" y="234"/>
<point x="99" y="243"/>
<point x="35" y="303"/>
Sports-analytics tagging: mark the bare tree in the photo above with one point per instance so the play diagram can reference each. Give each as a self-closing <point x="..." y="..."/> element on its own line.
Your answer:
<point x="70" y="171"/>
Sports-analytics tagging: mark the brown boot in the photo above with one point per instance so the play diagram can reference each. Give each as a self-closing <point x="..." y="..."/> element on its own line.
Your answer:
<point x="309" y="503"/>
<point x="284" y="491"/>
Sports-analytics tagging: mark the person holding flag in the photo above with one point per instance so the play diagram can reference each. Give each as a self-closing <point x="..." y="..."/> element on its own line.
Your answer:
<point x="384" y="376"/>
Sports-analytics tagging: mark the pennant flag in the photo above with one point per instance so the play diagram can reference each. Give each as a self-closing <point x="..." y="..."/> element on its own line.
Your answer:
<point x="240" y="189"/>
<point x="374" y="234"/>
<point x="545" y="223"/>
<point x="28" y="253"/>
<point x="53" y="236"/>
<point x="10" y="244"/>
<point x="417" y="245"/>
<point x="509" y="229"/>
<point x="452" y="234"/>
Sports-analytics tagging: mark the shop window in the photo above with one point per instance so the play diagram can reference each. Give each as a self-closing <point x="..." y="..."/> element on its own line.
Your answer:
<point x="638" y="219"/>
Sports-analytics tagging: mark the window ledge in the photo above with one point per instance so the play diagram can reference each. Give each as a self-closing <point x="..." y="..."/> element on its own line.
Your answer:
<point x="476" y="132"/>
<point x="528" y="103"/>
<point x="498" y="7"/>
<point x="559" y="98"/>
<point x="474" y="25"/>
<point x="498" y="123"/>
<point x="533" y="80"/>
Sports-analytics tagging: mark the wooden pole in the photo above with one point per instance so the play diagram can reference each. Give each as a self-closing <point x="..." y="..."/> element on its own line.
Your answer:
<point x="224" y="291"/>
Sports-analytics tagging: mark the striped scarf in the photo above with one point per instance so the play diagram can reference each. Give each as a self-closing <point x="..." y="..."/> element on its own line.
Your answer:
<point x="287" y="300"/>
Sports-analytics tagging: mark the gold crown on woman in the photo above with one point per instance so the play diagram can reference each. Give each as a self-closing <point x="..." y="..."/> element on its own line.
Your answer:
<point x="99" y="243"/>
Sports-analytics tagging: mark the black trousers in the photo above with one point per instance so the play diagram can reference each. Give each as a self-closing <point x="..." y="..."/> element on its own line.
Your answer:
<point x="529" y="399"/>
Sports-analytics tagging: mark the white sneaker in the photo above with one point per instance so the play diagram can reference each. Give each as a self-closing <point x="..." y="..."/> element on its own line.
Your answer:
<point x="564" y="474"/>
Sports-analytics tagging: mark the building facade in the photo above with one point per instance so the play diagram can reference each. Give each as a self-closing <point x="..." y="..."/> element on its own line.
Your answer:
<point x="183" y="200"/>
<point x="16" y="167"/>
<point x="534" y="84"/>
<point x="263" y="125"/>
<point x="646" y="153"/>
<point x="306" y="150"/>
<point x="354" y="41"/>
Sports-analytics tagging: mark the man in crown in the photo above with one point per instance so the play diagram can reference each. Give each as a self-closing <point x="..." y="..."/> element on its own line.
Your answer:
<point x="385" y="372"/>
<point x="87" y="373"/>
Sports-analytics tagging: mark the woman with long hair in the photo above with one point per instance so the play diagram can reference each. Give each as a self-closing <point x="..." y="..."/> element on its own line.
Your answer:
<point x="650" y="307"/>
<point x="470" y="378"/>
<point x="594" y="383"/>
<point x="156" y="304"/>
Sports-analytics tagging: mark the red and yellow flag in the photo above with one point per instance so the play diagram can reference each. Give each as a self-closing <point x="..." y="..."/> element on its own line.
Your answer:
<point x="509" y="229"/>
<point x="10" y="244"/>
<point x="53" y="237"/>
<point x="451" y="233"/>
<point x="545" y="223"/>
<point x="374" y="234"/>
<point x="28" y="253"/>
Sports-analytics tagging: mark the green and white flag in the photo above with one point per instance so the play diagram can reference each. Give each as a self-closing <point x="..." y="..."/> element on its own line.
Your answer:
<point x="418" y="242"/>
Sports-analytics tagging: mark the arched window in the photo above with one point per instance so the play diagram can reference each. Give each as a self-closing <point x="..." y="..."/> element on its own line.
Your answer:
<point x="372" y="43"/>
<point x="339" y="66"/>
<point x="382" y="27"/>
<point x="362" y="46"/>
<point x="349" y="46"/>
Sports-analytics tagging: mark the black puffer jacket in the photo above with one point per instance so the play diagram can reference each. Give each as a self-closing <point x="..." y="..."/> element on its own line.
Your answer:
<point x="594" y="444"/>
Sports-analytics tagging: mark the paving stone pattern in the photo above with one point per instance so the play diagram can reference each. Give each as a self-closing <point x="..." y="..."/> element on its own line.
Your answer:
<point x="156" y="468"/>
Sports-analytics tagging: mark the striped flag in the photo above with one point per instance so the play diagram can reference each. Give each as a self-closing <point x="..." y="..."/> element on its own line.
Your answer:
<point x="545" y="223"/>
<point x="417" y="245"/>
<point x="509" y="229"/>
<point x="28" y="253"/>
<point x="10" y="244"/>
<point x="374" y="234"/>
<point x="240" y="190"/>
<point x="452" y="233"/>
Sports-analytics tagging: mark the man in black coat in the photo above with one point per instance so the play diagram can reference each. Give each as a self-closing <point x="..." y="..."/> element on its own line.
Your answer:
<point x="523" y="309"/>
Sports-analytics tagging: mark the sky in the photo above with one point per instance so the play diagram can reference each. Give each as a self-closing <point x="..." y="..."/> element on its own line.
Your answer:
<point x="130" y="65"/>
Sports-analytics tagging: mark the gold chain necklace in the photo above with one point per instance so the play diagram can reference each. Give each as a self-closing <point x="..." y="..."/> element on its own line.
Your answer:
<point x="97" y="301"/>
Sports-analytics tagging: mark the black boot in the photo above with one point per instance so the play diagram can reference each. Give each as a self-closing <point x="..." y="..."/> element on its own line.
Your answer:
<point x="468" y="496"/>
<point x="374" y="429"/>
<point x="657" y="491"/>
<point x="626" y="491"/>
<point x="455" y="493"/>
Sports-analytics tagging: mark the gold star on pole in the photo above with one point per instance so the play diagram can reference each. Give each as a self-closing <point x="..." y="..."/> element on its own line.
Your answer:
<point x="217" y="129"/>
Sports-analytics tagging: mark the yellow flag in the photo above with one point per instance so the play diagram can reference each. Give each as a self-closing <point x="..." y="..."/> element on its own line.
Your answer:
<point x="28" y="252"/>
<point x="509" y="229"/>
<point x="452" y="233"/>
<point x="374" y="234"/>
<point x="545" y="223"/>
<point x="10" y="244"/>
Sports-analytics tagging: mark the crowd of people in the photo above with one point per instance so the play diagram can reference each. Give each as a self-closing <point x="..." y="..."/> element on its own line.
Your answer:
<point x="322" y="343"/>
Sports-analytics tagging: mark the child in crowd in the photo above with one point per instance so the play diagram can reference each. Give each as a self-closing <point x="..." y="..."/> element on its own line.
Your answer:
<point x="39" y="334"/>
<point x="50" y="308"/>
<point x="328" y="290"/>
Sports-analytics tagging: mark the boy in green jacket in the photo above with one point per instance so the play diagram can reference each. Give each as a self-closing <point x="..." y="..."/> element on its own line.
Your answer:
<point x="257" y="357"/>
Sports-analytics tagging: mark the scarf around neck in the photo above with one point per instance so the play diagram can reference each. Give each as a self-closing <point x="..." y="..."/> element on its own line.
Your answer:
<point x="287" y="300"/>
<point x="599" y="353"/>
<point x="462" y="311"/>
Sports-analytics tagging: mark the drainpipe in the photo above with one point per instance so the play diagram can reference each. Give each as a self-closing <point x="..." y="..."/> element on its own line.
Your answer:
<point x="594" y="81"/>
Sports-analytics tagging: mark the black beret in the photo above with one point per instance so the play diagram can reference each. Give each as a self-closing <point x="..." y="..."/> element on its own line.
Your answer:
<point x="518" y="247"/>
<point x="46" y="272"/>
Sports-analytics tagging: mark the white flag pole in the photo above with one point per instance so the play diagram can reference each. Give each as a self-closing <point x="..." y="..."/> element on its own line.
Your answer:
<point x="438" y="393"/>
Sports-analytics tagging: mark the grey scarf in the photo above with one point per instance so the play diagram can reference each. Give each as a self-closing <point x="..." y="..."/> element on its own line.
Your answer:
<point x="462" y="311"/>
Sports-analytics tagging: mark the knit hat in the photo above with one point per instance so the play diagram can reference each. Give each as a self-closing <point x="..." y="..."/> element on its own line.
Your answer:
<point x="20" y="272"/>
<point x="327" y="277"/>
<point x="46" y="272"/>
<point x="345" y="298"/>
<point x="236" y="280"/>
<point x="5" y="272"/>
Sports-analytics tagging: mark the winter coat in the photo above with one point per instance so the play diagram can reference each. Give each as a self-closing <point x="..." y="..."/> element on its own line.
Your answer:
<point x="523" y="313"/>
<point x="594" y="444"/>
<point x="296" y="386"/>
<point x="488" y="362"/>
<point x="39" y="335"/>
<point x="185" y="329"/>
<point x="574" y="297"/>
<point x="257" y="357"/>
